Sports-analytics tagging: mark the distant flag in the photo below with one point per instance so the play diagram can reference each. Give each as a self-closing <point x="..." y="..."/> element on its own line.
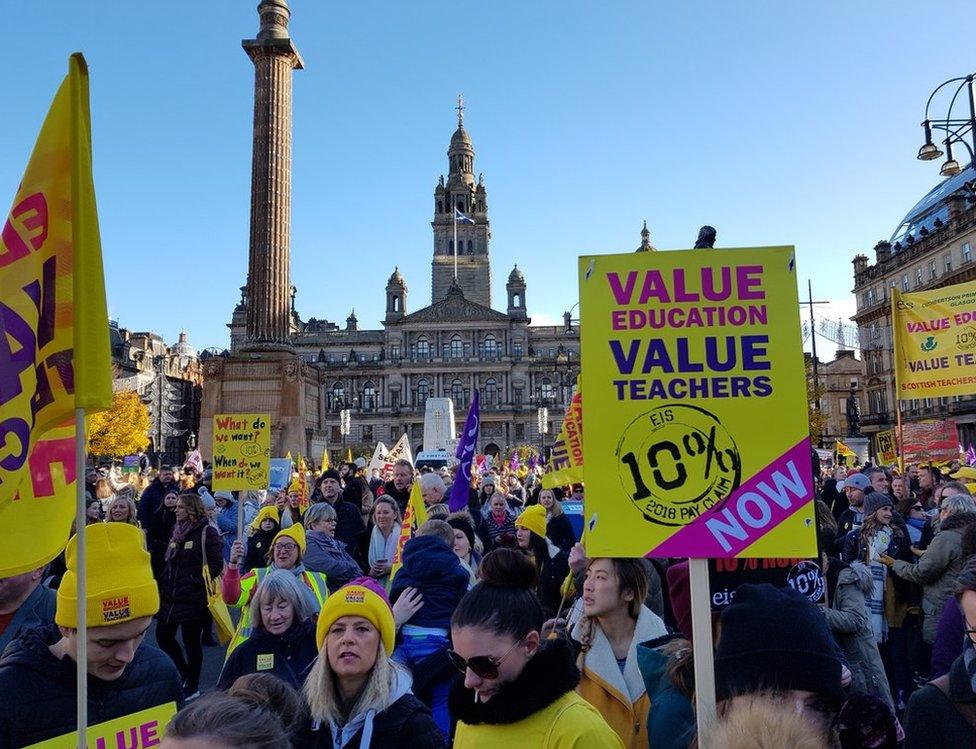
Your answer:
<point x="513" y="463"/>
<point x="971" y="456"/>
<point x="325" y="459"/>
<point x="465" y="454"/>
<point x="349" y="455"/>
<point x="460" y="217"/>
<point x="532" y="462"/>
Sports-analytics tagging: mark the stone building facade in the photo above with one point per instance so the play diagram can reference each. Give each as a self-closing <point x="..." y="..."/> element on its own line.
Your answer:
<point x="837" y="377"/>
<point x="934" y="246"/>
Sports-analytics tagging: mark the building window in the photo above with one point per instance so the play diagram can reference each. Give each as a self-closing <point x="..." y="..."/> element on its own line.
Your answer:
<point x="367" y="433"/>
<point x="423" y="348"/>
<point x="967" y="252"/>
<point x="918" y="277"/>
<point x="517" y="350"/>
<point x="335" y="434"/>
<point x="337" y="397"/>
<point x="904" y="282"/>
<point x="948" y="262"/>
<point x="423" y="391"/>
<point x="517" y="396"/>
<point x="520" y="431"/>
<point x="394" y="435"/>
<point x="394" y="399"/>
<point x="369" y="396"/>
<point x="457" y="347"/>
<point x="932" y="270"/>
<point x="457" y="392"/>
<point x="491" y="391"/>
<point x="395" y="351"/>
<point x="869" y="298"/>
<point x="546" y="391"/>
<point x="490" y="350"/>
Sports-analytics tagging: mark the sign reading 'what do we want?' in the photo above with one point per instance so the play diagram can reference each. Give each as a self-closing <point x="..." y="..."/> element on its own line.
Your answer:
<point x="697" y="440"/>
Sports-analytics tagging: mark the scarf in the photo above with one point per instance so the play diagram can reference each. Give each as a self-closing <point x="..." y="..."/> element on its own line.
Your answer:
<point x="342" y="735"/>
<point x="879" y="573"/>
<point x="180" y="531"/>
<point x="383" y="548"/>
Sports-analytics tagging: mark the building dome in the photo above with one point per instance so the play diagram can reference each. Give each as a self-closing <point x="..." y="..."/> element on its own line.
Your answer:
<point x="933" y="207"/>
<point x="461" y="138"/>
<point x="183" y="348"/>
<point x="516" y="276"/>
<point x="396" y="278"/>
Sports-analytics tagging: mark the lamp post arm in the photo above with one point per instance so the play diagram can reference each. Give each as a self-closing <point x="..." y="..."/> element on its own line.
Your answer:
<point x="939" y="88"/>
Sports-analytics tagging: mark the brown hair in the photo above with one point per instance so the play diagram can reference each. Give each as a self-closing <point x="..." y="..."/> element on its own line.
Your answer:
<point x="193" y="504"/>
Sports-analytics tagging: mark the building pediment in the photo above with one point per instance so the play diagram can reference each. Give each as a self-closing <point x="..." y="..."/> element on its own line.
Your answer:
<point x="454" y="308"/>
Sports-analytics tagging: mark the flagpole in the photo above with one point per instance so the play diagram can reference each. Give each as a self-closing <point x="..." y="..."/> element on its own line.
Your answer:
<point x="81" y="554"/>
<point x="455" y="243"/>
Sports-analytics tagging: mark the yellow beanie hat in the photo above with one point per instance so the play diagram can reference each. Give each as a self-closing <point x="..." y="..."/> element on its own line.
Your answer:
<point x="268" y="512"/>
<point x="119" y="581"/>
<point x="296" y="533"/>
<point x="533" y="517"/>
<point x="362" y="597"/>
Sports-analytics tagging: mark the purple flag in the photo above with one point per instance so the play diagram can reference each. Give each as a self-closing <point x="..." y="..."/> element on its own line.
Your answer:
<point x="465" y="454"/>
<point x="971" y="456"/>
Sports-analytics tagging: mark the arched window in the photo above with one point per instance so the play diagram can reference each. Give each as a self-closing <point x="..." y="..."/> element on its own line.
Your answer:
<point x="460" y="206"/>
<point x="491" y="391"/>
<point x="516" y="300"/>
<point x="457" y="393"/>
<point x="546" y="390"/>
<point x="337" y="397"/>
<point x="450" y="246"/>
<point x="440" y="206"/>
<point x="369" y="396"/>
<point x="423" y="348"/>
<point x="456" y="350"/>
<point x="423" y="391"/>
<point x="470" y="247"/>
<point x="396" y="304"/>
<point x="491" y="347"/>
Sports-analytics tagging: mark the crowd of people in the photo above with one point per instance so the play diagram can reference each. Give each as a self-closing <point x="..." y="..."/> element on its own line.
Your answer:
<point x="490" y="626"/>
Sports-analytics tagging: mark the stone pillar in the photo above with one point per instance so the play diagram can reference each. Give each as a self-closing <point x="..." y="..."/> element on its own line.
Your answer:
<point x="268" y="279"/>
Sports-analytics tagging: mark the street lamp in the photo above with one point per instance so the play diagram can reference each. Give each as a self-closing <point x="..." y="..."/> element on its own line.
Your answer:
<point x="955" y="128"/>
<point x="345" y="427"/>
<point x="543" y="423"/>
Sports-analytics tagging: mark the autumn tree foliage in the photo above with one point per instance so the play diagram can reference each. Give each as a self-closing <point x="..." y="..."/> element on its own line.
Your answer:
<point x="122" y="430"/>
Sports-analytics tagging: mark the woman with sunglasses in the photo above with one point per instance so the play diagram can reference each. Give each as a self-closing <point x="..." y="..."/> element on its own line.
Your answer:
<point x="287" y="549"/>
<point x="913" y="512"/>
<point x="356" y="695"/>
<point x="517" y="689"/>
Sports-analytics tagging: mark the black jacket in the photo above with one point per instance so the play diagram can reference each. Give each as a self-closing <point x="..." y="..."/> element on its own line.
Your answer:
<point x="152" y="498"/>
<point x="406" y="724"/>
<point x="349" y="523"/>
<point x="401" y="497"/>
<point x="288" y="656"/>
<point x="182" y="595"/>
<point x="39" y="690"/>
<point x="933" y="722"/>
<point x="158" y="532"/>
<point x="560" y="531"/>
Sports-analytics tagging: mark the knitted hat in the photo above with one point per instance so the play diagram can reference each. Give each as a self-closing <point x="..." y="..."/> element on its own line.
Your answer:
<point x="362" y="597"/>
<point x="332" y="473"/>
<point x="296" y="533"/>
<point x="774" y="638"/>
<point x="461" y="523"/>
<point x="119" y="580"/>
<point x="874" y="501"/>
<point x="488" y="480"/>
<point x="225" y="495"/>
<point x="533" y="518"/>
<point x="268" y="512"/>
<point x="679" y="591"/>
<point x="858" y="481"/>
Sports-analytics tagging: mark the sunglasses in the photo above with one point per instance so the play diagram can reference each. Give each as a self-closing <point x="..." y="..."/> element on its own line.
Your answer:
<point x="483" y="666"/>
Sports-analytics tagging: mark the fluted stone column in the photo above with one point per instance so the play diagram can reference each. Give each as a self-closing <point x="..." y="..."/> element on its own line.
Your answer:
<point x="268" y="279"/>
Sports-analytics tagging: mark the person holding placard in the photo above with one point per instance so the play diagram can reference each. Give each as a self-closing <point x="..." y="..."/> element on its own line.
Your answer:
<point x="125" y="674"/>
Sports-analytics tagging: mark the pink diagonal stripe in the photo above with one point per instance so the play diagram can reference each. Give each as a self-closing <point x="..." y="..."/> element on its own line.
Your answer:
<point x="752" y="511"/>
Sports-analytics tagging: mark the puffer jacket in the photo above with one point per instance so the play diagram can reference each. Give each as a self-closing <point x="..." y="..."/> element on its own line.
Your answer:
<point x="39" y="689"/>
<point x="671" y="718"/>
<point x="937" y="570"/>
<point x="37" y="608"/>
<point x="288" y="656"/>
<point x="327" y="555"/>
<point x="621" y="698"/>
<point x="848" y="620"/>
<point x="182" y="594"/>
<point x="432" y="567"/>
<point x="539" y="708"/>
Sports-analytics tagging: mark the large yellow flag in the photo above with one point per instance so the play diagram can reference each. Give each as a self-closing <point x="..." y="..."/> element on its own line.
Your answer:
<point x="54" y="354"/>
<point x="414" y="516"/>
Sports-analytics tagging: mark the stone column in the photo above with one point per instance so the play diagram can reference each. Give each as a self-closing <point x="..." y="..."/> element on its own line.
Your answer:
<point x="268" y="280"/>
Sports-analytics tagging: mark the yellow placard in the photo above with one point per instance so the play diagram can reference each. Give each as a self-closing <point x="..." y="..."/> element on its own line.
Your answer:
<point x="935" y="341"/>
<point x="567" y="453"/>
<point x="241" y="451"/>
<point x="886" y="447"/>
<point x="141" y="730"/>
<point x="697" y="439"/>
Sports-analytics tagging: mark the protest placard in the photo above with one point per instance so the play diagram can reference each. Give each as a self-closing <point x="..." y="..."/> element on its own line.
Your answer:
<point x="803" y="575"/>
<point x="241" y="451"/>
<point x="698" y="444"/>
<point x="141" y="730"/>
<point x="887" y="453"/>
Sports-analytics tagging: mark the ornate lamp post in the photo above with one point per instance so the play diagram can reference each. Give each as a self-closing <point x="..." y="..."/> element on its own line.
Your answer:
<point x="955" y="128"/>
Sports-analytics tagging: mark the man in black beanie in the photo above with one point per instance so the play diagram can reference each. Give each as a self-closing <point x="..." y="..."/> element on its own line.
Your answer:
<point x="774" y="640"/>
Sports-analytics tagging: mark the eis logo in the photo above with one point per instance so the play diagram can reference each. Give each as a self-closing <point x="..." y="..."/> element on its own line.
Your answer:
<point x="115" y="609"/>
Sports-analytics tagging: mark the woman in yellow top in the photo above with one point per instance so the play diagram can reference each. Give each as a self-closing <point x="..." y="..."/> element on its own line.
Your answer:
<point x="518" y="690"/>
<point x="286" y="554"/>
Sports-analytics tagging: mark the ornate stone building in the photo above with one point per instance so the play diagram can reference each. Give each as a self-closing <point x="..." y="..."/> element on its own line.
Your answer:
<point x="932" y="247"/>
<point x="305" y="371"/>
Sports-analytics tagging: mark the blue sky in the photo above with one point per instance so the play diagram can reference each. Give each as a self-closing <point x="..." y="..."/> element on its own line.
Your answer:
<point x="778" y="123"/>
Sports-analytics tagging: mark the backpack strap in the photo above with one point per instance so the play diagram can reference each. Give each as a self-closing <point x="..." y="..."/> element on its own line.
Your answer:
<point x="966" y="709"/>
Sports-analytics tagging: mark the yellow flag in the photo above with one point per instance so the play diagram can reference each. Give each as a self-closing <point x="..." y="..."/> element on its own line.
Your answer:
<point x="325" y="459"/>
<point x="567" y="452"/>
<point x="842" y="449"/>
<point x="349" y="455"/>
<point x="54" y="356"/>
<point x="413" y="517"/>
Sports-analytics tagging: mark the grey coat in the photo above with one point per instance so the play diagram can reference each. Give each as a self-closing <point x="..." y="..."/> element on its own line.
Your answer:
<point x="848" y="620"/>
<point x="937" y="571"/>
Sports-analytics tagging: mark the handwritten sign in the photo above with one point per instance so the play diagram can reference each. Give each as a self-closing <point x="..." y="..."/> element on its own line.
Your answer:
<point x="141" y="730"/>
<point x="241" y="450"/>
<point x="697" y="441"/>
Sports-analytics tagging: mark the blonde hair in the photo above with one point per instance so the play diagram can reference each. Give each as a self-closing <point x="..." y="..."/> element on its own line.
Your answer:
<point x="129" y="503"/>
<point x="321" y="688"/>
<point x="557" y="506"/>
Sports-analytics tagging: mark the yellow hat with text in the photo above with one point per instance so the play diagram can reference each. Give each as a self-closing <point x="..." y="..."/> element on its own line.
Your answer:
<point x="119" y="584"/>
<point x="362" y="597"/>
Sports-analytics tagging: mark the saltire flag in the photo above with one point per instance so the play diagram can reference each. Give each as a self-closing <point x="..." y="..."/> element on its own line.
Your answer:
<point x="461" y="218"/>
<point x="54" y="352"/>
<point x="414" y="516"/>
<point x="465" y="454"/>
